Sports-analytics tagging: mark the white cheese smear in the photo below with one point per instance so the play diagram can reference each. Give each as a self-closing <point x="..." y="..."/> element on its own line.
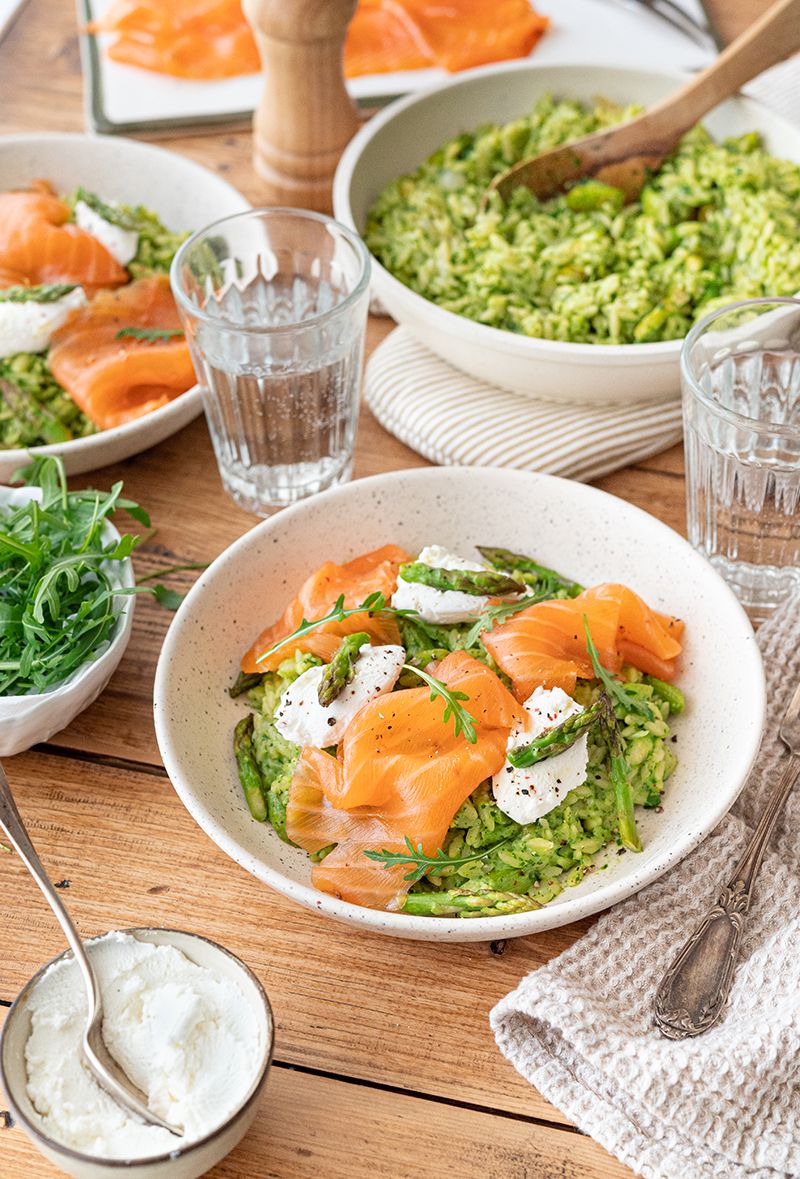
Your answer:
<point x="186" y="1035"/>
<point x="442" y="606"/>
<point x="28" y="326"/>
<point x="121" y="244"/>
<point x="527" y="794"/>
<point x="301" y="718"/>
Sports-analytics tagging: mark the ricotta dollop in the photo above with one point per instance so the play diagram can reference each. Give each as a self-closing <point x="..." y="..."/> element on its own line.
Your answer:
<point x="121" y="244"/>
<point x="186" y="1035"/>
<point x="27" y="326"/>
<point x="527" y="794"/>
<point x="301" y="718"/>
<point x="442" y="606"/>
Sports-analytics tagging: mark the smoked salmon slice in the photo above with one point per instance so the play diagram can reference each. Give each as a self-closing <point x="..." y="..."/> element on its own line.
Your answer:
<point x="36" y="246"/>
<point x="545" y="645"/>
<point x="387" y="35"/>
<point x="645" y="639"/>
<point x="400" y="771"/>
<point x="200" y="39"/>
<point x="374" y="572"/>
<point x="114" y="380"/>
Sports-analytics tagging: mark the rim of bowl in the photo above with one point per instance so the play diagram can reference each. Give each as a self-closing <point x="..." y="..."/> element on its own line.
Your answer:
<point x="693" y="389"/>
<point x="104" y="437"/>
<point x="401" y="924"/>
<point x="503" y="340"/>
<point x="350" y="235"/>
<point x="178" y="1151"/>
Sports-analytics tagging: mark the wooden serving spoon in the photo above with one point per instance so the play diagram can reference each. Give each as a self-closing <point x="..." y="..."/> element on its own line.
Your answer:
<point x="622" y="156"/>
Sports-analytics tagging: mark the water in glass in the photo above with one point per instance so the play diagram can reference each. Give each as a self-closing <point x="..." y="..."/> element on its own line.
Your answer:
<point x="744" y="474"/>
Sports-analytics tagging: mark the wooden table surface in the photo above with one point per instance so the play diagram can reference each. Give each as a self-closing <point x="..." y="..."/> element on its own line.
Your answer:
<point x="384" y="1064"/>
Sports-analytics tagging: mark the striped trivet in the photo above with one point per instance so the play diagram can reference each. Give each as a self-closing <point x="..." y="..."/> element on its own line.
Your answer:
<point x="454" y="420"/>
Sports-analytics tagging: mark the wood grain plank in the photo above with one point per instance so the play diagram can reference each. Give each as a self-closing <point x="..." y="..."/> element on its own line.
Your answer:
<point x="310" y="1126"/>
<point x="408" y="1014"/>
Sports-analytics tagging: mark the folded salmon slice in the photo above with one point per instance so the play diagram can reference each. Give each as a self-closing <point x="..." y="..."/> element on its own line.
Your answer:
<point x="387" y="35"/>
<point x="200" y="39"/>
<point x="374" y="572"/>
<point x="545" y="645"/>
<point x="36" y="246"/>
<point x="400" y="771"/>
<point x="115" y="380"/>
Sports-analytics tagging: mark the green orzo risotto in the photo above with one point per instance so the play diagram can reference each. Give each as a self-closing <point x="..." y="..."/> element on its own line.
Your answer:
<point x="717" y="223"/>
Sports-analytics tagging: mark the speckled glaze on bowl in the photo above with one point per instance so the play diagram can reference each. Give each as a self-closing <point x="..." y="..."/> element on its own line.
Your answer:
<point x="401" y="137"/>
<point x="583" y="532"/>
<point x="185" y="195"/>
<point x="185" y="1161"/>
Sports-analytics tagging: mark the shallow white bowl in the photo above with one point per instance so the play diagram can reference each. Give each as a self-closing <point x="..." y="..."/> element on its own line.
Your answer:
<point x="185" y="195"/>
<point x="27" y="720"/>
<point x="584" y="533"/>
<point x="401" y="137"/>
<point x="184" y="1162"/>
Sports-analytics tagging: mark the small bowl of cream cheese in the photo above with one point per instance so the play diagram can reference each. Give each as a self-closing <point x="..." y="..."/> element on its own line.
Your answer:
<point x="190" y="1024"/>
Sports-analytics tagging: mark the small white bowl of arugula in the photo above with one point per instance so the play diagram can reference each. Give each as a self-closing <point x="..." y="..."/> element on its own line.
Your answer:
<point x="66" y="601"/>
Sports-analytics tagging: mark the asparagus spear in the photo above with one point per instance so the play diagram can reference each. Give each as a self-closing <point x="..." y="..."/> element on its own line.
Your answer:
<point x="28" y="422"/>
<point x="341" y="669"/>
<point x="481" y="583"/>
<point x="244" y="681"/>
<point x="459" y="902"/>
<point x="534" y="573"/>
<point x="619" y="779"/>
<point x="558" y="739"/>
<point x="249" y="773"/>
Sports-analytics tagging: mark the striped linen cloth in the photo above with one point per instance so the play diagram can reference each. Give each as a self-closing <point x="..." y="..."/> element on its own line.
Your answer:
<point x="454" y="420"/>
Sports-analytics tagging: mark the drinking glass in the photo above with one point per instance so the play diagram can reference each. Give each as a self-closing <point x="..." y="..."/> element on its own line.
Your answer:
<point x="274" y="305"/>
<point x="740" y="375"/>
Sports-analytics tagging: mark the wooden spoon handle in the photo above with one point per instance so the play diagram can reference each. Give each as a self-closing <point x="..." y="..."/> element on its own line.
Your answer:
<point x="772" y="38"/>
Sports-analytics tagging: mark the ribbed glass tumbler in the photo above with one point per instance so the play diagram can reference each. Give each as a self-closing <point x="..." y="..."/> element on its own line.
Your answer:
<point x="274" y="304"/>
<point x="740" y="374"/>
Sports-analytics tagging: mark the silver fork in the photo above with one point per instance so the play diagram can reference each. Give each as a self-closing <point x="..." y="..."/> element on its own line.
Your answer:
<point x="102" y="1064"/>
<point x="673" y="14"/>
<point x="692" y="994"/>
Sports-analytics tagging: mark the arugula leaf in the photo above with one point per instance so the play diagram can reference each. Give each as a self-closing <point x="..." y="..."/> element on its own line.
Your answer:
<point x="167" y="598"/>
<point x="58" y="603"/>
<point x="422" y="862"/>
<point x="463" y="720"/>
<point x="616" y="690"/>
<point x="371" y="605"/>
<point x="150" y="334"/>
<point x="497" y="614"/>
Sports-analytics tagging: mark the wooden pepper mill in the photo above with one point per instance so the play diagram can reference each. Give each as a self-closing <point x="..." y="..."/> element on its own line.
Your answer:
<point x="306" y="117"/>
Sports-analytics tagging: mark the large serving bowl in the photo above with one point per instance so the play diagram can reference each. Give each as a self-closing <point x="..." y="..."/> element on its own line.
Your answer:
<point x="185" y="195"/>
<point x="401" y="137"/>
<point x="582" y="532"/>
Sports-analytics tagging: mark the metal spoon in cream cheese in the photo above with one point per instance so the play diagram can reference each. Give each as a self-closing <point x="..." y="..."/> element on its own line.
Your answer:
<point x="101" y="1063"/>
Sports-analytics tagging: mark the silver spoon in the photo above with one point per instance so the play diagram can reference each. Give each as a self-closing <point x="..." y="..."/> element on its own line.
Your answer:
<point x="691" y="996"/>
<point x="108" y="1074"/>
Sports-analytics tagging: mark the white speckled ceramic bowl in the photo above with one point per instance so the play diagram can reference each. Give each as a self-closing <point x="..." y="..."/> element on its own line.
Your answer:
<point x="185" y="1161"/>
<point x="583" y="532"/>
<point x="184" y="194"/>
<point x="27" y="720"/>
<point x="398" y="139"/>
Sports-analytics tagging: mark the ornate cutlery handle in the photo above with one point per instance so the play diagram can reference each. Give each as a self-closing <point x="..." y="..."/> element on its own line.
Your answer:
<point x="692" y="993"/>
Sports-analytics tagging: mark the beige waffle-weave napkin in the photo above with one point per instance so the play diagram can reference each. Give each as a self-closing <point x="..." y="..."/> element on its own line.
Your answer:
<point x="724" y="1105"/>
<point x="455" y="420"/>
